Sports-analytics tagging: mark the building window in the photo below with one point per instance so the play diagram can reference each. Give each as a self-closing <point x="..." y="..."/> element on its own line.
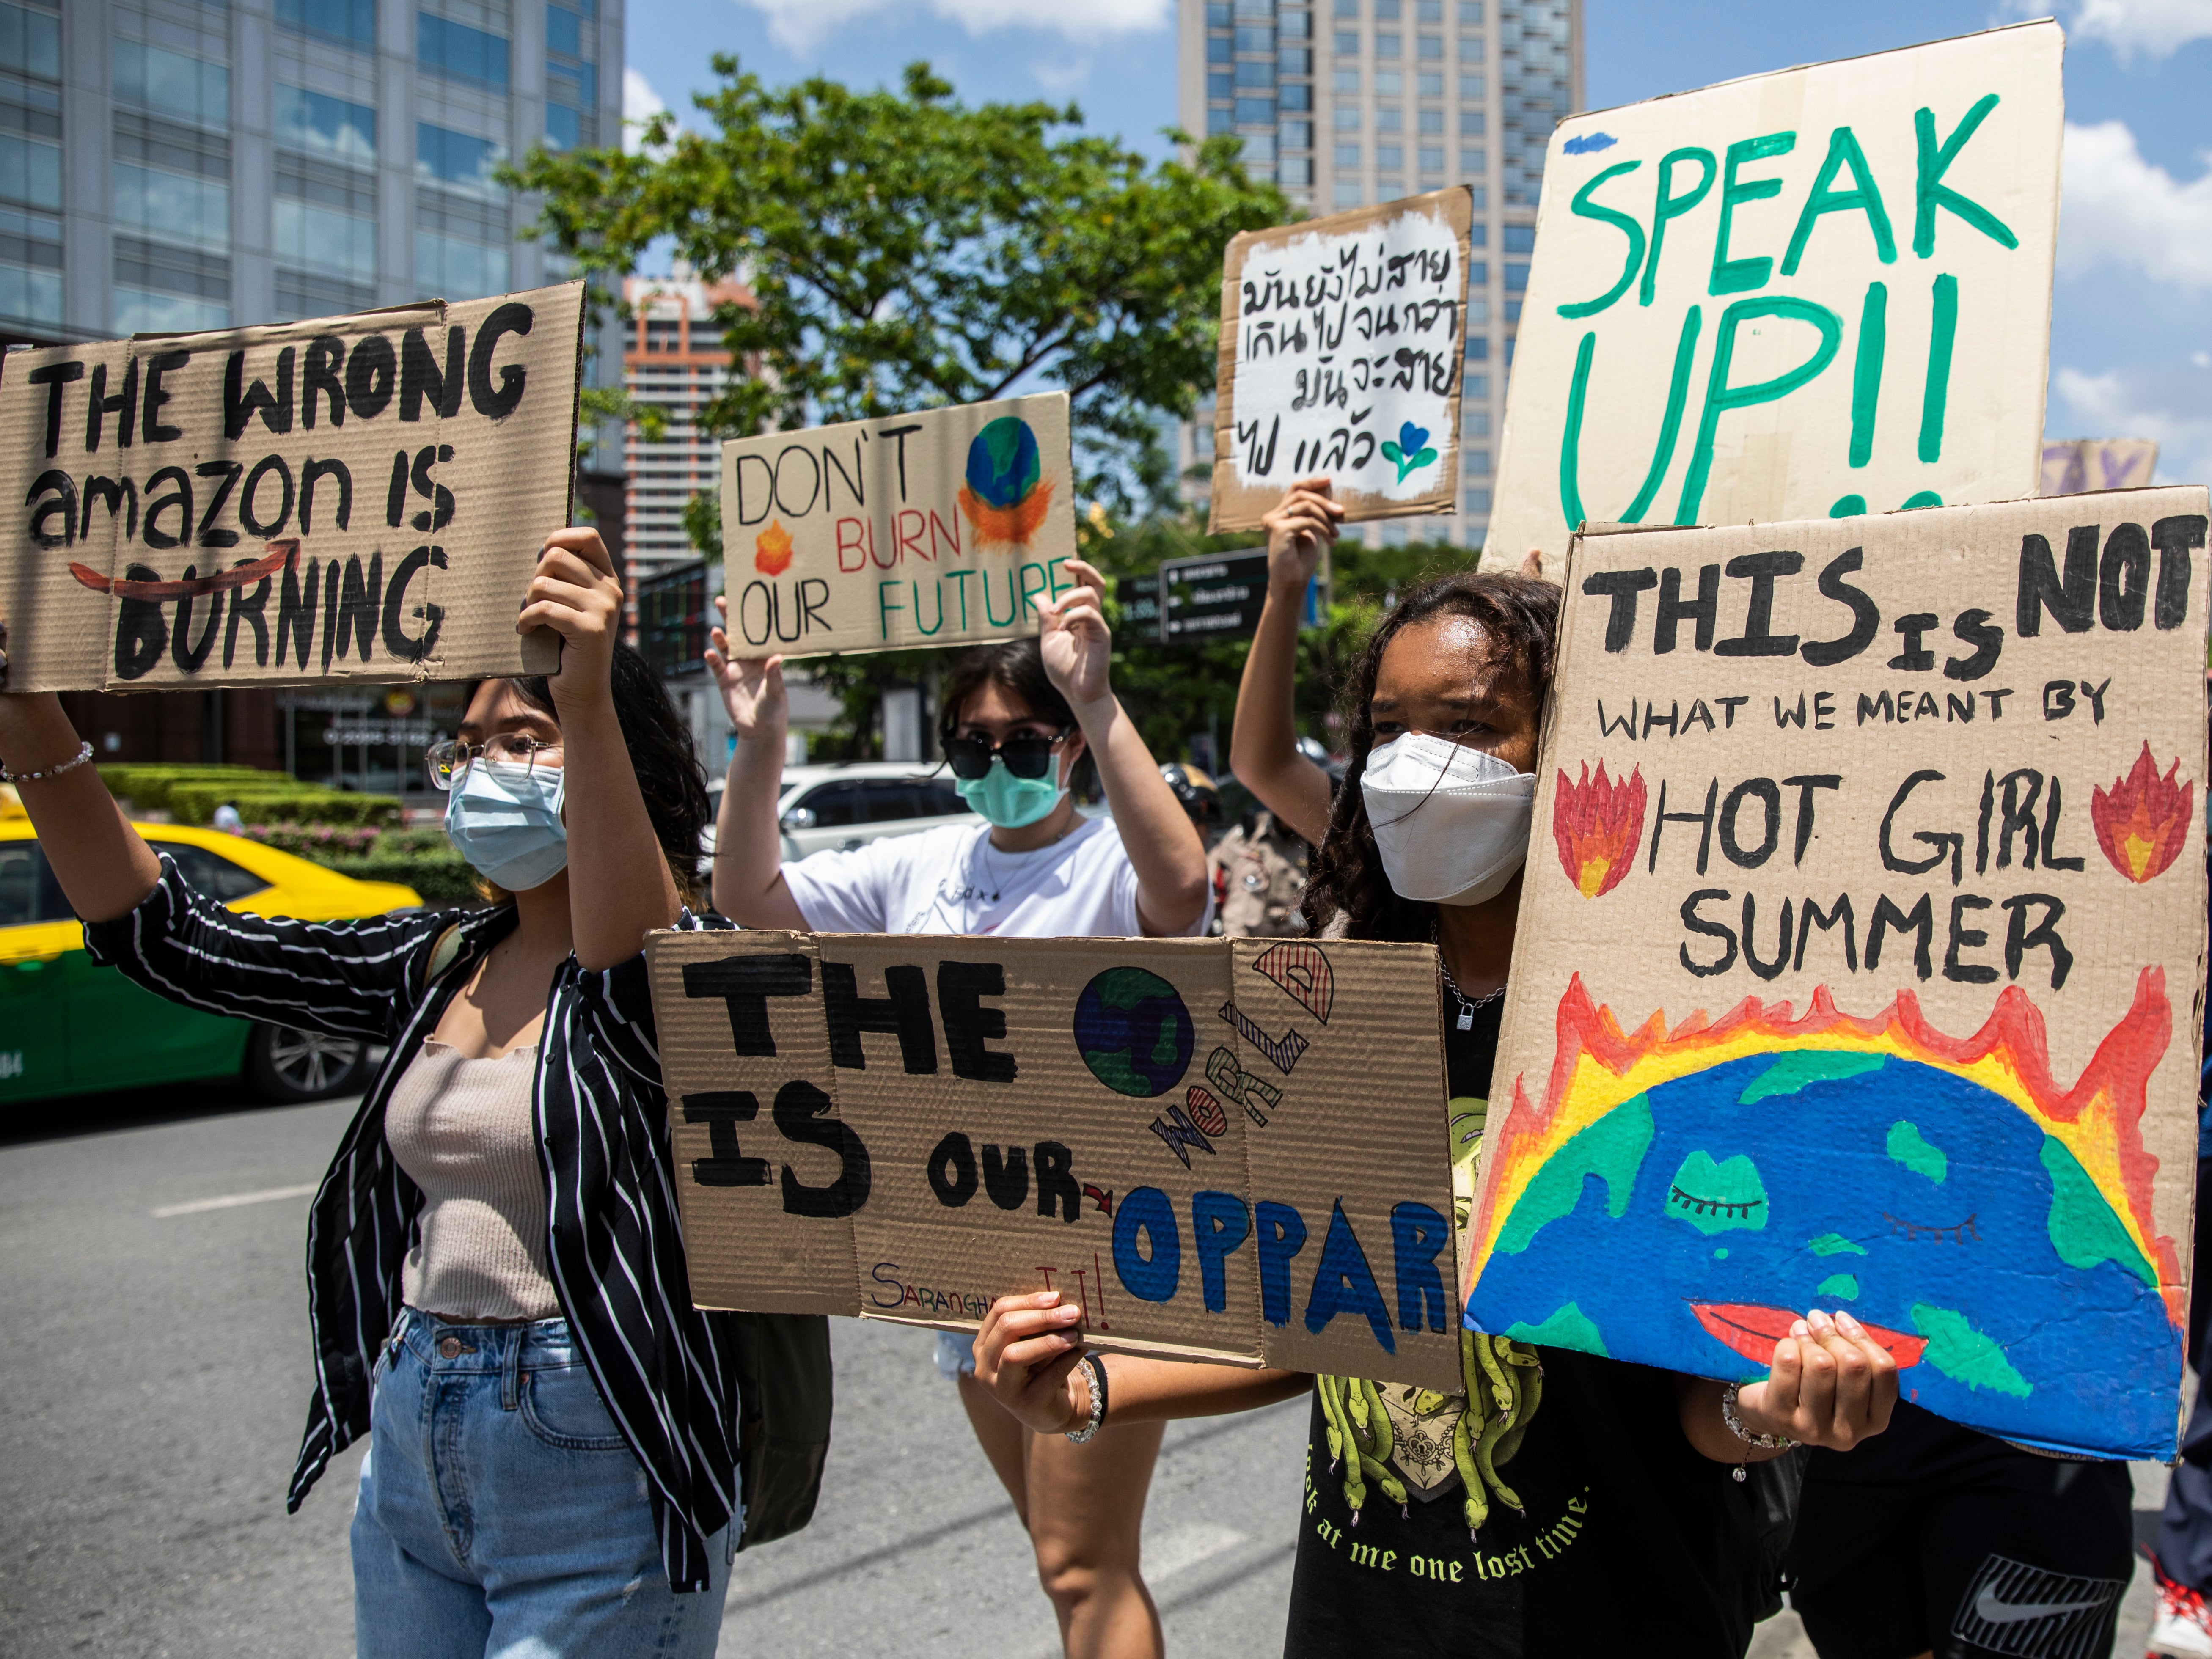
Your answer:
<point x="1348" y="8"/>
<point x="1430" y="84"/>
<point x="172" y="182"/>
<point x="1297" y="135"/>
<point x="1298" y="170"/>
<point x="1518" y="239"/>
<point x="1386" y="45"/>
<point x="1347" y="118"/>
<point x="1348" y="157"/>
<point x="1255" y="112"/>
<point x="1347" y="44"/>
<point x="1429" y="11"/>
<point x="572" y="80"/>
<point x="458" y="267"/>
<point x="1477" y="502"/>
<point x="1386" y="11"/>
<point x="1221" y="85"/>
<point x="1391" y="120"/>
<point x="349" y="22"/>
<point x="325" y="218"/>
<point x="1470" y="124"/>
<point x="1296" y="95"/>
<point x="1349" y="195"/>
<point x="456" y="158"/>
<point x="1478" y="234"/>
<point x="171" y="84"/>
<point x="1475" y="424"/>
<point x="1470" y="49"/>
<point x="1481" y="195"/>
<point x="1430" y="46"/>
<point x="1259" y="40"/>
<point x="459" y="52"/>
<point x="30" y="262"/>
<point x="1470" y="13"/>
<point x="30" y="166"/>
<point x="1432" y="121"/>
<point x="1219" y="121"/>
<point x="1388" y="84"/>
<point x="1478" y="462"/>
<point x="1473" y="160"/>
<point x="1478" y="347"/>
<point x="161" y="288"/>
<point x="1217" y="14"/>
<point x="305" y="293"/>
<point x="1477" y="273"/>
<point x="1260" y="147"/>
<point x="1477" y="385"/>
<point x="1390" y="157"/>
<point x="31" y="42"/>
<point x="1219" y="49"/>
<point x="1256" y="75"/>
<point x="1516" y="282"/>
<point x="1346" y="82"/>
<point x="1295" y="60"/>
<point x="1295" y="25"/>
<point x="1470" y="88"/>
<point x="317" y="124"/>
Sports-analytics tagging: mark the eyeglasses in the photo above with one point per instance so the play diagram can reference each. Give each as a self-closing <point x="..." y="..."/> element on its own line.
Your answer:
<point x="447" y="760"/>
<point x="1026" y="755"/>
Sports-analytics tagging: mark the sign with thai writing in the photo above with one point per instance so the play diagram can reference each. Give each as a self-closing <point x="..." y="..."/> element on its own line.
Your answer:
<point x="354" y="498"/>
<point x="1861" y="959"/>
<point x="1229" y="1149"/>
<point x="1341" y="341"/>
<point x="1799" y="296"/>
<point x="943" y="527"/>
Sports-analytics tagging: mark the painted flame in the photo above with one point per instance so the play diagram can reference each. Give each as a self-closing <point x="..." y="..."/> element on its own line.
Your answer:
<point x="1597" y="1067"/>
<point x="772" y="550"/>
<point x="2143" y="820"/>
<point x="1009" y="525"/>
<point x="1598" y="824"/>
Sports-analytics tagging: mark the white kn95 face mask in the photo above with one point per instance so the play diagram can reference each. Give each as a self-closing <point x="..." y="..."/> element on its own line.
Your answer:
<point x="1451" y="822"/>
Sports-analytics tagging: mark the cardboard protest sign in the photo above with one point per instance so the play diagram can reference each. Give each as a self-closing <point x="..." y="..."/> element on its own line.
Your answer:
<point x="942" y="527"/>
<point x="354" y="498"/>
<point x="1232" y="1149"/>
<point x="1861" y="959"/>
<point x="1341" y="341"/>
<point x="2075" y="466"/>
<point x="1821" y="292"/>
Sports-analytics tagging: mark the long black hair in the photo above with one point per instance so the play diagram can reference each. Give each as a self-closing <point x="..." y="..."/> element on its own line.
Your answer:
<point x="1016" y="667"/>
<point x="1519" y="617"/>
<point x="660" y="753"/>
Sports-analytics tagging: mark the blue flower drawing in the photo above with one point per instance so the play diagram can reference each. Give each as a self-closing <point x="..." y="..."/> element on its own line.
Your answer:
<point x="1410" y="450"/>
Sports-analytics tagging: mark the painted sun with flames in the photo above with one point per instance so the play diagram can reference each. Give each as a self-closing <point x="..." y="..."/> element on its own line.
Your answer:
<point x="1993" y="1227"/>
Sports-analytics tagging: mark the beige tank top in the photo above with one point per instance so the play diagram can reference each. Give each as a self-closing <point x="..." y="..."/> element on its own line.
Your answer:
<point x="461" y="1129"/>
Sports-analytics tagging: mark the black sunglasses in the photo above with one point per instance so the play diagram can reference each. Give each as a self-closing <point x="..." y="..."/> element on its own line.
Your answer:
<point x="1026" y="755"/>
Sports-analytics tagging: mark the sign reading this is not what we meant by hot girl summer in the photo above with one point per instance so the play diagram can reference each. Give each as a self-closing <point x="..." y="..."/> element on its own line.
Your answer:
<point x="352" y="498"/>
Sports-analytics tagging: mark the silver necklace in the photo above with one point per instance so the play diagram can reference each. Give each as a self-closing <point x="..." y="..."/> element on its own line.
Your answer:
<point x="1468" y="1005"/>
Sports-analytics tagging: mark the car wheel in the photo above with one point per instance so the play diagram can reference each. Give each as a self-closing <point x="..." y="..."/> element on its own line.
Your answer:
<point x="284" y="1063"/>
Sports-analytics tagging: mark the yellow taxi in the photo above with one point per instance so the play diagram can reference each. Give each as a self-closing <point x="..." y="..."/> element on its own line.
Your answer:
<point x="67" y="1026"/>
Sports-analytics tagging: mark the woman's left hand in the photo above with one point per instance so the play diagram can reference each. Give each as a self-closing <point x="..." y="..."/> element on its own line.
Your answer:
<point x="577" y="593"/>
<point x="1831" y="1385"/>
<point x="1077" y="644"/>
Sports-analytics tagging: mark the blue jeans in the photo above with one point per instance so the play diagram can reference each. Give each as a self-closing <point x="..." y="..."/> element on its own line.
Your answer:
<point x="501" y="1513"/>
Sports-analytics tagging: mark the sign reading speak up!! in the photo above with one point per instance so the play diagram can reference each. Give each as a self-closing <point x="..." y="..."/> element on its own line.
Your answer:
<point x="1861" y="956"/>
<point x="1341" y="340"/>
<point x="1821" y="292"/>
<point x="354" y="498"/>
<point x="1232" y="1149"/>
<point x="943" y="527"/>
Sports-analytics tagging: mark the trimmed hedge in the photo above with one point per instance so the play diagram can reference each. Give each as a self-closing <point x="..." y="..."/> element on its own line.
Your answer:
<point x="420" y="858"/>
<point x="441" y="879"/>
<point x="190" y="794"/>
<point x="146" y="787"/>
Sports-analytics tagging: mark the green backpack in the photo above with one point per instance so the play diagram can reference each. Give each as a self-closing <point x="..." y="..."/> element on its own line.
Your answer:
<point x="784" y="1392"/>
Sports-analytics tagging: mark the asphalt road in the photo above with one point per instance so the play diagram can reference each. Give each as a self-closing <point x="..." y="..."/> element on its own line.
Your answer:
<point x="154" y="1381"/>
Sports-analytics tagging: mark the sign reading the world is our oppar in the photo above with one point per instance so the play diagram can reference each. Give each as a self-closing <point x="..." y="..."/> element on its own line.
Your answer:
<point x="942" y="527"/>
<point x="1232" y="1149"/>
<point x="1861" y="959"/>
<point x="354" y="498"/>
<point x="1341" y="342"/>
<point x="1799" y="296"/>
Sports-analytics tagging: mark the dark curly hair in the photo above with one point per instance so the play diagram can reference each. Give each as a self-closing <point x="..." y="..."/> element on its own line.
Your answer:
<point x="1519" y="617"/>
<point x="660" y="753"/>
<point x="1016" y="667"/>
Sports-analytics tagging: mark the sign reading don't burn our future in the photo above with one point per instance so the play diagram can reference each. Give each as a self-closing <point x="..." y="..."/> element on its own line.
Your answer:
<point x="942" y="527"/>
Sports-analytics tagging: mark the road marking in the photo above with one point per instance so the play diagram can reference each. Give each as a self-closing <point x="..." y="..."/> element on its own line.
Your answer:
<point x="231" y="1200"/>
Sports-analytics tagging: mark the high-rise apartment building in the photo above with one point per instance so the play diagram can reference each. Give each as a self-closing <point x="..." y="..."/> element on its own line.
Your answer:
<point x="188" y="164"/>
<point x="1349" y="102"/>
<point x="674" y="359"/>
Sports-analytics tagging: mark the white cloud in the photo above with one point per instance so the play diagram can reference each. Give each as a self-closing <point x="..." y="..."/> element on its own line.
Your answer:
<point x="1063" y="78"/>
<point x="640" y="103"/>
<point x="2156" y="28"/>
<point x="2119" y="210"/>
<point x="802" y="24"/>
<point x="2172" y="404"/>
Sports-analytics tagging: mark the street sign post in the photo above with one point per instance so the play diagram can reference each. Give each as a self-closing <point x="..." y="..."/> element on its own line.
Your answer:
<point x="1220" y="596"/>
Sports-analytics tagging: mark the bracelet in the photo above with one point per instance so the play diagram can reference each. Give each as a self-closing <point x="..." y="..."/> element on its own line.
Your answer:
<point x="1094" y="1378"/>
<point x="1730" y="1416"/>
<point x="84" y="754"/>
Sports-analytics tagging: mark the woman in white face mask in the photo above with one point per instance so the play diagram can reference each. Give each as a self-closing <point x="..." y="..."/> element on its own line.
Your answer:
<point x="1022" y="725"/>
<point x="1559" y="1498"/>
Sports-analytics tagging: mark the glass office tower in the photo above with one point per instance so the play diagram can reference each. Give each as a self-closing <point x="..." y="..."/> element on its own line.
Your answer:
<point x="1348" y="102"/>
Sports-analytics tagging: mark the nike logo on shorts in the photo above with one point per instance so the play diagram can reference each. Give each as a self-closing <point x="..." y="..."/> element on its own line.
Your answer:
<point x="2014" y="1608"/>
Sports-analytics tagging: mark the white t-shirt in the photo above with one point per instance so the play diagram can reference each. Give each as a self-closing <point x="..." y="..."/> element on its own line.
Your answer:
<point x="952" y="881"/>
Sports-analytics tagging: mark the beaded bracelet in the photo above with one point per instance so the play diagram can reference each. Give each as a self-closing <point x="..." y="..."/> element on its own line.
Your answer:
<point x="84" y="754"/>
<point x="1730" y="1416"/>
<point x="1094" y="1378"/>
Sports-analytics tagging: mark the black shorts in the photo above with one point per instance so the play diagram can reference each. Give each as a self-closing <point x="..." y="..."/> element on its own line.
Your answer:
<point x="1981" y="1549"/>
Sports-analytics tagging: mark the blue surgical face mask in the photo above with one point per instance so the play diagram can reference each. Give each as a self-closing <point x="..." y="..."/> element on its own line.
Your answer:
<point x="1010" y="802"/>
<point x="505" y="821"/>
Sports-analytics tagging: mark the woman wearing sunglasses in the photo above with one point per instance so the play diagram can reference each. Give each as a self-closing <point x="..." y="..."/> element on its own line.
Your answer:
<point x="1023" y="725"/>
<point x="495" y="1267"/>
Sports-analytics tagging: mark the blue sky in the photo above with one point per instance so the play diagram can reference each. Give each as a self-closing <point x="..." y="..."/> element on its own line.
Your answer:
<point x="2131" y="335"/>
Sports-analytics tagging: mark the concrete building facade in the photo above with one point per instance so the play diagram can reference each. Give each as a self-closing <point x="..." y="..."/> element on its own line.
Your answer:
<point x="1345" y="103"/>
<point x="673" y="358"/>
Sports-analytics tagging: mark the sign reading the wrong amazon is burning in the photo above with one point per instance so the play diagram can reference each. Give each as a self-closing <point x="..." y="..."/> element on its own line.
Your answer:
<point x="1860" y="959"/>
<point x="942" y="527"/>
<point x="353" y="498"/>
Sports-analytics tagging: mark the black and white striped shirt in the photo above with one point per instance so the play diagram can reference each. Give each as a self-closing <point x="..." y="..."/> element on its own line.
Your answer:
<point x="665" y="1370"/>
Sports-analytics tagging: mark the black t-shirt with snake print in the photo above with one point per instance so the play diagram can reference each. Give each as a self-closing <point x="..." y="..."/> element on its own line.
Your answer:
<point x="1626" y="1535"/>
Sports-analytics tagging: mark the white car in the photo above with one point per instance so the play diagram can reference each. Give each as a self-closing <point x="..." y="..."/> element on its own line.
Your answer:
<point x="845" y="804"/>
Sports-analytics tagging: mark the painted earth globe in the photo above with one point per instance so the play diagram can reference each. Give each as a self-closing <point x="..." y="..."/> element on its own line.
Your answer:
<point x="1133" y="1032"/>
<point x="1003" y="463"/>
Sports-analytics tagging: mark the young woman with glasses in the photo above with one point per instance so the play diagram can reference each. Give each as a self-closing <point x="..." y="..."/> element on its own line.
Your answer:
<point x="1022" y="724"/>
<point x="495" y="1267"/>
